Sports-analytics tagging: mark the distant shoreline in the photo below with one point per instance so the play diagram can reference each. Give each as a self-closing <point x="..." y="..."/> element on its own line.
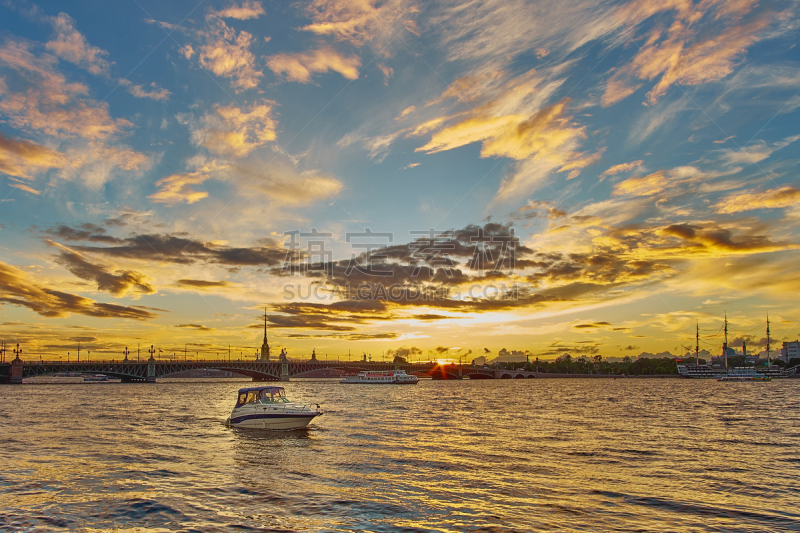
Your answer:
<point x="74" y="381"/>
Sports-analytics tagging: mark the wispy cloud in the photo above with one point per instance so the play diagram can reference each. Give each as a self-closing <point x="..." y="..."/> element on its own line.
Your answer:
<point x="302" y="66"/>
<point x="224" y="51"/>
<point x="249" y="9"/>
<point x="688" y="52"/>
<point x="786" y="196"/>
<point x="232" y="130"/>
<point x="622" y="167"/>
<point x="44" y="104"/>
<point x="24" y="159"/>
<point x="364" y="22"/>
<point x="179" y="188"/>
<point x="70" y="45"/>
<point x="154" y="92"/>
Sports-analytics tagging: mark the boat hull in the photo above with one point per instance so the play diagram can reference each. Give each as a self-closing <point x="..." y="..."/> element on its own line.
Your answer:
<point x="271" y="421"/>
<point x="380" y="382"/>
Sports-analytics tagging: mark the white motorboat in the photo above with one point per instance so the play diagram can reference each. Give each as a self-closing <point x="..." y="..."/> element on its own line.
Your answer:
<point x="388" y="377"/>
<point x="268" y="408"/>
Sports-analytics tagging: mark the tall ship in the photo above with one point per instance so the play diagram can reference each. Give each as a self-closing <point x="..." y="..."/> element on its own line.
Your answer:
<point x="698" y="371"/>
<point x="707" y="371"/>
<point x="387" y="377"/>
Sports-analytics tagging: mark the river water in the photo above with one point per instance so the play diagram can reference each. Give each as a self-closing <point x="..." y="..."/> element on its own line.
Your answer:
<point x="510" y="455"/>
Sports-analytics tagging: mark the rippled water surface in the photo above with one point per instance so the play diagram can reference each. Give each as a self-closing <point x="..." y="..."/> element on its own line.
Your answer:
<point x="517" y="455"/>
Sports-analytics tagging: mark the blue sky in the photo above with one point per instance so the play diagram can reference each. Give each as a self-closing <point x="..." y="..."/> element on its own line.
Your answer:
<point x="154" y="154"/>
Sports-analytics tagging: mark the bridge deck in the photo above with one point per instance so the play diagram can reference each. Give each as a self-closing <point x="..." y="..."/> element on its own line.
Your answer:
<point x="131" y="370"/>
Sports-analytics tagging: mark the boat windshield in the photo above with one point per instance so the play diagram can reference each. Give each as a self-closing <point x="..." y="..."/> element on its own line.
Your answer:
<point x="261" y="395"/>
<point x="276" y="395"/>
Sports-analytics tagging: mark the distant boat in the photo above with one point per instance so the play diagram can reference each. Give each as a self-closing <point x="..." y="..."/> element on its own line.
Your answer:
<point x="99" y="378"/>
<point x="388" y="377"/>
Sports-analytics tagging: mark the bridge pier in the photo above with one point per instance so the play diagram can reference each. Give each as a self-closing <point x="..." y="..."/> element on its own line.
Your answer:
<point x="150" y="377"/>
<point x="15" y="372"/>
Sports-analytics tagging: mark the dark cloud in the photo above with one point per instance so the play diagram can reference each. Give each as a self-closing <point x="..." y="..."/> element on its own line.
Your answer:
<point x="198" y="327"/>
<point x="429" y="316"/>
<point x="338" y="316"/>
<point x="307" y="322"/>
<point x="118" y="283"/>
<point x="85" y="232"/>
<point x="437" y="257"/>
<point x="592" y="325"/>
<point x="346" y="336"/>
<point x="539" y="209"/>
<point x="17" y="289"/>
<point x="503" y="352"/>
<point x="404" y="351"/>
<point x="172" y="248"/>
<point x="558" y="348"/>
<point x="201" y="284"/>
<point x="710" y="236"/>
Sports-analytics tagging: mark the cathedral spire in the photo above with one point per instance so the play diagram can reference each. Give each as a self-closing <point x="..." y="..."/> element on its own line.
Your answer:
<point x="265" y="345"/>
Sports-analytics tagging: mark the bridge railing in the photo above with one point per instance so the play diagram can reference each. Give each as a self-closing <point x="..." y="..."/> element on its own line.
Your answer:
<point x="29" y="361"/>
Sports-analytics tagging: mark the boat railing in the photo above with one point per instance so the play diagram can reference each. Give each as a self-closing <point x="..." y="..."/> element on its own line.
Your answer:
<point x="293" y="407"/>
<point x="792" y="371"/>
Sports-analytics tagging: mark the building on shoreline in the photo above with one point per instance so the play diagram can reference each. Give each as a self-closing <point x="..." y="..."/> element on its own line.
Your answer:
<point x="790" y="350"/>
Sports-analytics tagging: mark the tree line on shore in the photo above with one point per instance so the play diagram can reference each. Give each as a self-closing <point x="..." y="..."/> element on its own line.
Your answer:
<point x="566" y="364"/>
<point x="643" y="366"/>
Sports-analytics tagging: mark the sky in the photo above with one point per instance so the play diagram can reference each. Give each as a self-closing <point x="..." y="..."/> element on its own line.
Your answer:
<point x="444" y="178"/>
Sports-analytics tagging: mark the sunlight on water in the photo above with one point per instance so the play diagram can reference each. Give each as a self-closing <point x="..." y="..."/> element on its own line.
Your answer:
<point x="572" y="454"/>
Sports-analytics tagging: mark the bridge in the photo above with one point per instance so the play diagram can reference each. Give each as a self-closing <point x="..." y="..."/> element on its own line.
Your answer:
<point x="149" y="371"/>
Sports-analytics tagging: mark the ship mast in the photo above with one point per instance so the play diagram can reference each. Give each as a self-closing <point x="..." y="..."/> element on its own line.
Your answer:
<point x="769" y="360"/>
<point x="725" y="343"/>
<point x="697" y="345"/>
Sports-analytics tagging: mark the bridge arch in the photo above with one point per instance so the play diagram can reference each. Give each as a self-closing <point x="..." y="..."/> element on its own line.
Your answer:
<point x="505" y="376"/>
<point x="479" y="375"/>
<point x="256" y="375"/>
<point x="124" y="372"/>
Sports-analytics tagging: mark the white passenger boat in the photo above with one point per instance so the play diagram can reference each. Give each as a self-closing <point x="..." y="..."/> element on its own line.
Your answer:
<point x="744" y="374"/>
<point x="700" y="371"/>
<point x="268" y="408"/>
<point x="387" y="377"/>
<point x="99" y="378"/>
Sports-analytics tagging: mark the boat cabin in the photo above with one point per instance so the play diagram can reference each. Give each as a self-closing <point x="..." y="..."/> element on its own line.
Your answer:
<point x="261" y="395"/>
